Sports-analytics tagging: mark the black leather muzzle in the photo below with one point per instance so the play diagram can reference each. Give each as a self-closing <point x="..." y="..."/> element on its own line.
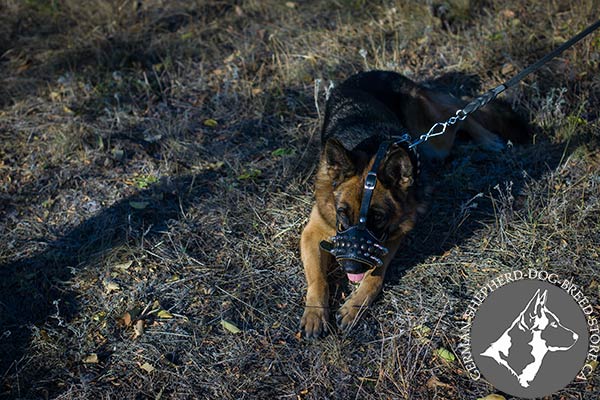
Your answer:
<point x="356" y="244"/>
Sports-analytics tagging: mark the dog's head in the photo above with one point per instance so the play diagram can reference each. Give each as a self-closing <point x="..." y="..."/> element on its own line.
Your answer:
<point x="339" y="190"/>
<point x="537" y="317"/>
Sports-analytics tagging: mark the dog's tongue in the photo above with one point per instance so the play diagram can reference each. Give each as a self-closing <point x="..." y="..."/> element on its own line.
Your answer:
<point x="354" y="278"/>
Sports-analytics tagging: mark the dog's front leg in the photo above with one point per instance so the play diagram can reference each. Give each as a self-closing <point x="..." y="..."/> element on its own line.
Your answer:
<point x="369" y="288"/>
<point x="316" y="266"/>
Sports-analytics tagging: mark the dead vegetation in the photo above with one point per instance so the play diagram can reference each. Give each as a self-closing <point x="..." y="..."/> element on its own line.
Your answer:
<point x="155" y="168"/>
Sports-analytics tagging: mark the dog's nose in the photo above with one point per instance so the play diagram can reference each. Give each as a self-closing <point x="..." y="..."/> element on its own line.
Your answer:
<point x="353" y="267"/>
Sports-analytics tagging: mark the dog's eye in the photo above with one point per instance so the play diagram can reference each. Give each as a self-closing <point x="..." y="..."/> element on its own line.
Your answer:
<point x="378" y="218"/>
<point x="343" y="222"/>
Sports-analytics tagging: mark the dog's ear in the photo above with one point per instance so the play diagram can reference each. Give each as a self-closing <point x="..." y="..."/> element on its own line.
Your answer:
<point x="396" y="170"/>
<point x="534" y="310"/>
<point x="337" y="160"/>
<point x="540" y="303"/>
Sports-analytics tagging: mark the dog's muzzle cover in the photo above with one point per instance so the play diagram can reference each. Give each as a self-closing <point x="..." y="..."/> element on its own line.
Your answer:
<point x="357" y="244"/>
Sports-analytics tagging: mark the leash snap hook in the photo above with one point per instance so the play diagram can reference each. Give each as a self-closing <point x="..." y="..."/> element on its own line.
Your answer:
<point x="441" y="125"/>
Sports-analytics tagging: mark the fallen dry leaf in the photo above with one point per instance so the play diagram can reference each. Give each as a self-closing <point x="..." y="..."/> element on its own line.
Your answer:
<point x="126" y="319"/>
<point x="210" y="123"/>
<point x="507" y="13"/>
<point x="422" y="332"/>
<point x="445" y="354"/>
<point x="147" y="367"/>
<point x="112" y="286"/>
<point x="91" y="359"/>
<point x="138" y="329"/>
<point x="123" y="266"/>
<point x="492" y="397"/>
<point x="99" y="316"/>
<point x="164" y="314"/>
<point x="434" y="383"/>
<point x="230" y="327"/>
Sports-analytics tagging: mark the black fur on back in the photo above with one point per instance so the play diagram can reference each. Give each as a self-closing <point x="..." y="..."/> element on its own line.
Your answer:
<point x="371" y="106"/>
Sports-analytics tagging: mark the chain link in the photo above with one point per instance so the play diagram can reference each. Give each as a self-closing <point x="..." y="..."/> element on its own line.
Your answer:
<point x="460" y="115"/>
<point x="441" y="127"/>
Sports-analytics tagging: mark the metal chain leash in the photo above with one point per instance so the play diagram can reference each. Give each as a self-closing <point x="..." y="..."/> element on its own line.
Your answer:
<point x="439" y="128"/>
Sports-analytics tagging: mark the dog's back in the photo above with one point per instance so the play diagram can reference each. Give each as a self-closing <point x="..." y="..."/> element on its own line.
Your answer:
<point x="362" y="110"/>
<point x="374" y="105"/>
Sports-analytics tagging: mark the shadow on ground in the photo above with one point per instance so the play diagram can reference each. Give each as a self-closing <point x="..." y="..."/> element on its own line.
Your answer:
<point x="32" y="289"/>
<point x="464" y="190"/>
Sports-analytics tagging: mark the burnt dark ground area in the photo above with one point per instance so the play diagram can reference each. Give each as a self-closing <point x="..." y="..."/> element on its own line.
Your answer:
<point x="156" y="170"/>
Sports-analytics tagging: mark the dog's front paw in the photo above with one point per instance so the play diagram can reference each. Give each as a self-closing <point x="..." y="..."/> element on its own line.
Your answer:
<point x="348" y="314"/>
<point x="314" y="322"/>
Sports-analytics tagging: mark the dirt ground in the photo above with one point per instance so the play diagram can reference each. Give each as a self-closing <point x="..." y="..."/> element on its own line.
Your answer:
<point x="156" y="170"/>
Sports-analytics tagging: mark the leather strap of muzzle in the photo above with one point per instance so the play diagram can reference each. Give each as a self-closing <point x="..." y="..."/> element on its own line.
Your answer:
<point x="370" y="183"/>
<point x="357" y="242"/>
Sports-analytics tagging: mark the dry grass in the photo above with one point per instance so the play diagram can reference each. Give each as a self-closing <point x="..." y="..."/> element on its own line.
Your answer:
<point x="119" y="196"/>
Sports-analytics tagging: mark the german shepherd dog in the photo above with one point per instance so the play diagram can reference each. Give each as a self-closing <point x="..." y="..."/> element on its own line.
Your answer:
<point x="362" y="112"/>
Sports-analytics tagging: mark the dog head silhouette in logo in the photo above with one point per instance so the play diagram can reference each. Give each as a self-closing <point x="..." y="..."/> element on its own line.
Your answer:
<point x="535" y="332"/>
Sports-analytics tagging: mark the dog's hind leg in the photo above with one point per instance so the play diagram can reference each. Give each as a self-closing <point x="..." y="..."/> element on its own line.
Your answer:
<point x="482" y="136"/>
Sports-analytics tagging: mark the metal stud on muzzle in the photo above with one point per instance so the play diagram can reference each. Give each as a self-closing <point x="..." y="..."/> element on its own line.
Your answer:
<point x="357" y="248"/>
<point x="356" y="244"/>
